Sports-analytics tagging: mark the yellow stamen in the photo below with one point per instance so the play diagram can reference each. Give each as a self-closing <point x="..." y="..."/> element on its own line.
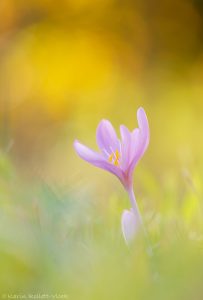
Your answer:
<point x="116" y="163"/>
<point x="114" y="158"/>
<point x="111" y="157"/>
<point x="117" y="154"/>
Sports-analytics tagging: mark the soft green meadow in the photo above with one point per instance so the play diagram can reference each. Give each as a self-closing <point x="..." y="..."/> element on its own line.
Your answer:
<point x="65" y="66"/>
<point x="59" y="241"/>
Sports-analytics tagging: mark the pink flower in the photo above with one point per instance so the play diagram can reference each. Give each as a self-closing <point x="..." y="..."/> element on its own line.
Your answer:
<point x="120" y="158"/>
<point x="129" y="225"/>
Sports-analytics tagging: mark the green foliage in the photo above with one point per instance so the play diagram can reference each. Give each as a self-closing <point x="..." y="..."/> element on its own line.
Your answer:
<point x="56" y="241"/>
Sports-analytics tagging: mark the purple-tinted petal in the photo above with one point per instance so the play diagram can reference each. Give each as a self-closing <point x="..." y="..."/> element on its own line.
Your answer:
<point x="144" y="126"/>
<point x="135" y="138"/>
<point x="141" y="139"/>
<point x="129" y="225"/>
<point x="125" y="133"/>
<point x="86" y="153"/>
<point x="125" y="146"/>
<point x="96" y="159"/>
<point x="106" y="137"/>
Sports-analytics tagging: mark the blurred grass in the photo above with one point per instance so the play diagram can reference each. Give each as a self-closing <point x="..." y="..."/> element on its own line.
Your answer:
<point x="64" y="66"/>
<point x="53" y="240"/>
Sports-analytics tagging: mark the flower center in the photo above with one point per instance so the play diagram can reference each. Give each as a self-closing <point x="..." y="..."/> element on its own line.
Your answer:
<point x="114" y="158"/>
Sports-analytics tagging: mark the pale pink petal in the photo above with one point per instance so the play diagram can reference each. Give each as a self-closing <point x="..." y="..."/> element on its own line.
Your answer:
<point x="106" y="137"/>
<point x="86" y="153"/>
<point x="96" y="159"/>
<point x="141" y="139"/>
<point x="129" y="225"/>
<point x="125" y="146"/>
<point x="144" y="126"/>
<point x="135" y="138"/>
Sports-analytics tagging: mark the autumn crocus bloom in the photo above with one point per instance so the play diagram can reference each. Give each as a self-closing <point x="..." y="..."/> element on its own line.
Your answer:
<point x="120" y="158"/>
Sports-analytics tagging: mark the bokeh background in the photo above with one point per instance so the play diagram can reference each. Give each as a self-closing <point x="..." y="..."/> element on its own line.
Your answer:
<point x="64" y="66"/>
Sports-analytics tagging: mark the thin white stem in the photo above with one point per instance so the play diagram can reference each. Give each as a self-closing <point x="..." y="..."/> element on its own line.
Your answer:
<point x="134" y="205"/>
<point x="138" y="215"/>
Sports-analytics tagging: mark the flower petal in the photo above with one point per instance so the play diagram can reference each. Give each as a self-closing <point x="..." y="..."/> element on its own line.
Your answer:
<point x="86" y="153"/>
<point x="106" y="137"/>
<point x="129" y="225"/>
<point x="135" y="139"/>
<point x="125" y="146"/>
<point x="97" y="159"/>
<point x="140" y="139"/>
<point x="144" y="127"/>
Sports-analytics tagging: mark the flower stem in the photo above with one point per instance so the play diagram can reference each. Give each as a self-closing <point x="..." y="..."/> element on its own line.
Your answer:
<point x="135" y="206"/>
<point x="139" y="216"/>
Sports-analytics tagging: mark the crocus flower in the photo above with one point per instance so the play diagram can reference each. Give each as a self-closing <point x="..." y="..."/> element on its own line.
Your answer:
<point x="120" y="157"/>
